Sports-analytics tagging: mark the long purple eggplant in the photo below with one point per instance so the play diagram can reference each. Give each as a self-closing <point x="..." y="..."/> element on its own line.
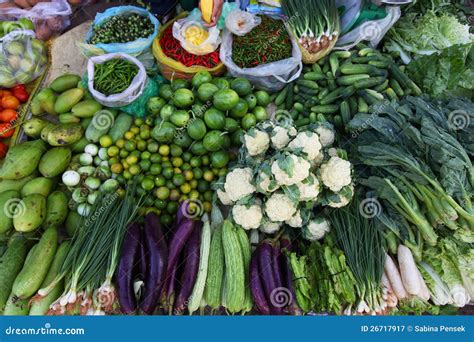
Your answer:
<point x="191" y="257"/>
<point x="267" y="273"/>
<point x="279" y="295"/>
<point x="287" y="275"/>
<point x="258" y="294"/>
<point x="125" y="272"/>
<point x="157" y="260"/>
<point x="182" y="213"/>
<point x="182" y="234"/>
<point x="142" y="258"/>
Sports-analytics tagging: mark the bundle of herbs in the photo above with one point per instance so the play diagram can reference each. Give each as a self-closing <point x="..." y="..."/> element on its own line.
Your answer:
<point x="268" y="42"/>
<point x="315" y="23"/>
<point x="91" y="262"/>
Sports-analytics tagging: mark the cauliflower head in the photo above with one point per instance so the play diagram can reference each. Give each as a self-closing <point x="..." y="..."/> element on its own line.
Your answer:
<point x="316" y="229"/>
<point x="279" y="208"/>
<point x="248" y="217"/>
<point x="290" y="169"/>
<point x="270" y="227"/>
<point x="265" y="183"/>
<point x="326" y="136"/>
<point x="256" y="142"/>
<point x="342" y="198"/>
<point x="238" y="184"/>
<point x="296" y="221"/>
<point x="309" y="188"/>
<point x="308" y="142"/>
<point x="280" y="137"/>
<point x="224" y="197"/>
<point x="336" y="173"/>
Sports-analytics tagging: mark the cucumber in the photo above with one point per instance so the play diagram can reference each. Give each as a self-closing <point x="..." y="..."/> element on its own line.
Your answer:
<point x="351" y="79"/>
<point x="100" y="125"/>
<point x="215" y="272"/>
<point x="289" y="97"/>
<point x="379" y="64"/>
<point x="345" y="112"/>
<point x="369" y="83"/>
<point x="353" y="104"/>
<point x="325" y="109"/>
<point x="307" y="83"/>
<point x="317" y="68"/>
<point x="332" y="96"/>
<point x="404" y="80"/>
<point x="308" y="91"/>
<point x="246" y="255"/>
<point x="391" y="94"/>
<point x="334" y="64"/>
<point x="362" y="106"/>
<point x="342" y="54"/>
<point x="381" y="87"/>
<point x="323" y="93"/>
<point x="282" y="95"/>
<point x="36" y="267"/>
<point x="396" y="87"/>
<point x="348" y="91"/>
<point x="40" y="305"/>
<point x="332" y="85"/>
<point x="11" y="263"/>
<point x="121" y="125"/>
<point x="298" y="107"/>
<point x="314" y="76"/>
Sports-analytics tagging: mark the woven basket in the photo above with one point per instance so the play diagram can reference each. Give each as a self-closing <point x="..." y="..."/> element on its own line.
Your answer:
<point x="171" y="69"/>
<point x="311" y="58"/>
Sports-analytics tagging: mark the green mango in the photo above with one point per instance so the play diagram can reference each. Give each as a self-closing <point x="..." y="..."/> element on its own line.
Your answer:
<point x="73" y="222"/>
<point x="39" y="185"/>
<point x="34" y="126"/>
<point x="16" y="184"/>
<point x="22" y="159"/>
<point x="8" y="201"/>
<point x="79" y="145"/>
<point x="86" y="108"/>
<point x="68" y="118"/>
<point x="65" y="134"/>
<point x="56" y="209"/>
<point x="68" y="99"/>
<point x="36" y="109"/>
<point x="45" y="131"/>
<point x="30" y="213"/>
<point x="47" y="99"/>
<point x="65" y="82"/>
<point x="85" y="122"/>
<point x="55" y="161"/>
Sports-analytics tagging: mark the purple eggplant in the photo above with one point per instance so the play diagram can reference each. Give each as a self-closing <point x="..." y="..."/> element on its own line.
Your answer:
<point x="141" y="258"/>
<point x="266" y="269"/>
<point x="279" y="295"/>
<point x="182" y="234"/>
<point x="125" y="272"/>
<point x="157" y="260"/>
<point x="182" y="213"/>
<point x="191" y="257"/>
<point x="258" y="293"/>
<point x="287" y="275"/>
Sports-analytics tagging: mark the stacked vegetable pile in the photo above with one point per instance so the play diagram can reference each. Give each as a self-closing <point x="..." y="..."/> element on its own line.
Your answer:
<point x="343" y="84"/>
<point x="282" y="174"/>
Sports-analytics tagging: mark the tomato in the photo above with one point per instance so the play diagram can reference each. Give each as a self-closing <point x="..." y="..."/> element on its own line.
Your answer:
<point x="10" y="102"/>
<point x="7" y="115"/>
<point x="3" y="150"/>
<point x="21" y="94"/>
<point x="6" y="130"/>
<point x="4" y="93"/>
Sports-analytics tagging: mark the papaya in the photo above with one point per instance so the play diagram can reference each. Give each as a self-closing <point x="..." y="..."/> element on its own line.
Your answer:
<point x="30" y="213"/>
<point x="22" y="159"/>
<point x="55" y="162"/>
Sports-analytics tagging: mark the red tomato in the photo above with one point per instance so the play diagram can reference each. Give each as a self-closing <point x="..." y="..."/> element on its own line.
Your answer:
<point x="6" y="130"/>
<point x="10" y="102"/>
<point x="4" y="93"/>
<point x="3" y="150"/>
<point x="21" y="95"/>
<point x="7" y="115"/>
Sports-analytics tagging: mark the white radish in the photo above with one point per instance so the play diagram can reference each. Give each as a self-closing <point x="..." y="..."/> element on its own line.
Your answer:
<point x="386" y="282"/>
<point x="394" y="277"/>
<point x="425" y="292"/>
<point x="408" y="271"/>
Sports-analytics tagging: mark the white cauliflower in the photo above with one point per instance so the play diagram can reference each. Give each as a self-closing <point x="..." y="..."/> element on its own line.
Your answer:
<point x="295" y="221"/>
<point x="336" y="173"/>
<point x="279" y="208"/>
<point x="332" y="152"/>
<point x="265" y="184"/>
<point x="309" y="188"/>
<point x="308" y="142"/>
<point x="270" y="227"/>
<point x="316" y="229"/>
<point x="247" y="217"/>
<point x="326" y="136"/>
<point x="256" y="142"/>
<point x="223" y="197"/>
<point x="238" y="183"/>
<point x="280" y="137"/>
<point x="292" y="131"/>
<point x="342" y="198"/>
<point x="290" y="169"/>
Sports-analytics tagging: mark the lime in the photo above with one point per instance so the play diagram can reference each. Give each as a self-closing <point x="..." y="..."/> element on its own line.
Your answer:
<point x="105" y="141"/>
<point x="148" y="184"/>
<point x="162" y="193"/>
<point x="160" y="180"/>
<point x="112" y="151"/>
<point x="178" y="179"/>
<point x="155" y="158"/>
<point x="155" y="169"/>
<point x="153" y="147"/>
<point x="219" y="159"/>
<point x="251" y="101"/>
<point x="160" y="204"/>
<point x="164" y="150"/>
<point x="260" y="113"/>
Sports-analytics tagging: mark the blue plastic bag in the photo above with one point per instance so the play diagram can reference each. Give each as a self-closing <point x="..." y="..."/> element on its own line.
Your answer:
<point x="135" y="48"/>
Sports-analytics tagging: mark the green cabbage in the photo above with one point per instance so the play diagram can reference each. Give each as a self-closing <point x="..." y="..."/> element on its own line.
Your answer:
<point x="425" y="35"/>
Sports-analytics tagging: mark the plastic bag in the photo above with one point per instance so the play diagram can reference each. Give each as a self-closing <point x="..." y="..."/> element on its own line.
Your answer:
<point x="138" y="107"/>
<point x="50" y="18"/>
<point x="371" y="31"/>
<point x="22" y="58"/>
<point x="135" y="48"/>
<point x="272" y="76"/>
<point x="274" y="3"/>
<point x="82" y="2"/>
<point x="127" y="96"/>
<point x="195" y="37"/>
<point x="240" y="23"/>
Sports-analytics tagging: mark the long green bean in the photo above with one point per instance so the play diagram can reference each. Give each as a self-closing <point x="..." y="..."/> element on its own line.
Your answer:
<point x="114" y="76"/>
